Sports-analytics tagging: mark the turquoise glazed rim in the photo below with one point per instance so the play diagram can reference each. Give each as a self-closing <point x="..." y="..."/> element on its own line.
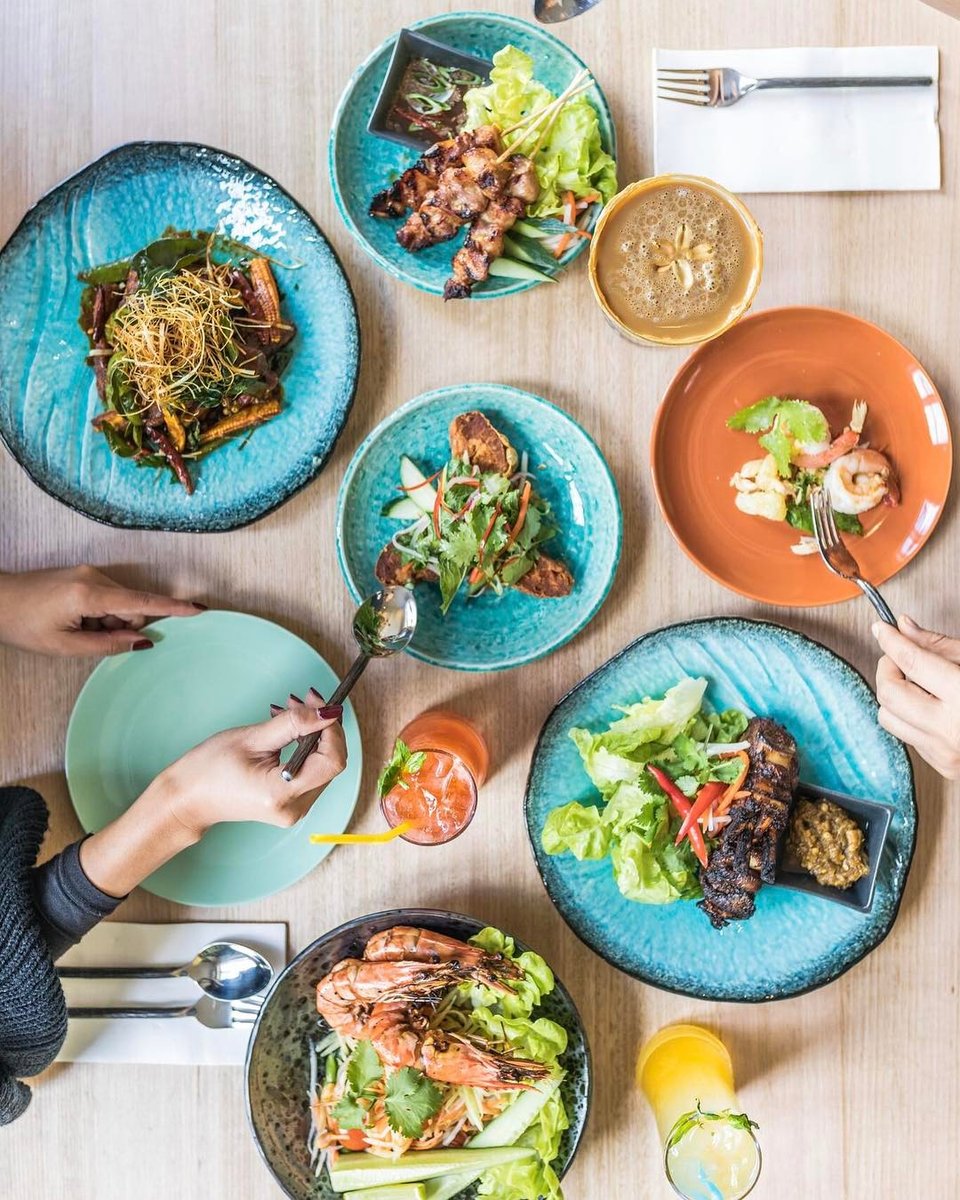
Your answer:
<point x="488" y="633"/>
<point x="107" y="210"/>
<point x="795" y="942"/>
<point x="277" y="1075"/>
<point x="376" y="161"/>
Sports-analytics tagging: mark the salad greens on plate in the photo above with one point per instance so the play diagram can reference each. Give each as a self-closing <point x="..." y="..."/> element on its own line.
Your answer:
<point x="632" y="821"/>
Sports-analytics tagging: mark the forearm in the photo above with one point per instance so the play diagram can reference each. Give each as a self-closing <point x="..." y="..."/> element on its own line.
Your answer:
<point x="137" y="843"/>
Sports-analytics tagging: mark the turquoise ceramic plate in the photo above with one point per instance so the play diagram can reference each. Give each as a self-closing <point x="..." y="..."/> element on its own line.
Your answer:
<point x="794" y="942"/>
<point x="488" y="633"/>
<point x="139" y="712"/>
<point x="278" y="1071"/>
<point x="47" y="393"/>
<point x="361" y="164"/>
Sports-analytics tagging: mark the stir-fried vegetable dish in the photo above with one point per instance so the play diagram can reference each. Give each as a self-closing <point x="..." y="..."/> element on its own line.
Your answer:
<point x="187" y="343"/>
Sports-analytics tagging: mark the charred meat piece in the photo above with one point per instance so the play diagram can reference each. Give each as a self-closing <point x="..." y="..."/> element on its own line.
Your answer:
<point x="749" y="845"/>
<point x="417" y="182"/>
<point x="392" y="571"/>
<point x="546" y="579"/>
<point x="473" y="438"/>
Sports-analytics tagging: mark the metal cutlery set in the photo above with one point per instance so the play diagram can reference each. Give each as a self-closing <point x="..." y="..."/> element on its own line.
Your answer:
<point x="721" y="87"/>
<point x="233" y="978"/>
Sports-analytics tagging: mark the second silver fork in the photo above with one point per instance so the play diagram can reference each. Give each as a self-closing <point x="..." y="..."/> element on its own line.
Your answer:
<point x="719" y="87"/>
<point x="837" y="557"/>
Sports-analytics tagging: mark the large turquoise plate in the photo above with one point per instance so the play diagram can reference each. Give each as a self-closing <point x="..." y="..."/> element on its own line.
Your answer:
<point x="278" y="1071"/>
<point x="488" y="633"/>
<point x="139" y="712"/>
<point x="361" y="164"/>
<point x="794" y="942"/>
<point x="47" y="393"/>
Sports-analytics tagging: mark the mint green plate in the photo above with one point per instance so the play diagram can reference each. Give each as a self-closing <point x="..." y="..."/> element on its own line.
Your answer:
<point x="139" y="712"/>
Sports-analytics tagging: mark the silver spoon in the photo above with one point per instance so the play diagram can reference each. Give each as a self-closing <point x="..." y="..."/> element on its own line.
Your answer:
<point x="384" y="623"/>
<point x="549" y="12"/>
<point x="223" y="970"/>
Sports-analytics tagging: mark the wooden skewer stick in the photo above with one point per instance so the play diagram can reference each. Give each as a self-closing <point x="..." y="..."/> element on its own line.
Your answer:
<point x="547" y="114"/>
<point x="540" y="113"/>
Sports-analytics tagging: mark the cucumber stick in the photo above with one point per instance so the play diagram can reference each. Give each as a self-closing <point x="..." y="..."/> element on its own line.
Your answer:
<point x="399" y="1191"/>
<point x="423" y="494"/>
<point x="403" y="509"/>
<point x="356" y="1172"/>
<point x="501" y="1131"/>
<point x="509" y="268"/>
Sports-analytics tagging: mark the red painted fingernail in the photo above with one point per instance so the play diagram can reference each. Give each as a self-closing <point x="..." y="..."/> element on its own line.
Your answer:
<point x="143" y="644"/>
<point x="331" y="712"/>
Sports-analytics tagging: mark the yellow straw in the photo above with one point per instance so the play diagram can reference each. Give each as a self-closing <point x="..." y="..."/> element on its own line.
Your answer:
<point x="360" y="839"/>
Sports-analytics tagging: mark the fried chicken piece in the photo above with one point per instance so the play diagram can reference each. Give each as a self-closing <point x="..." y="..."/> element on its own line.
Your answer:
<point x="546" y="579"/>
<point x="473" y="437"/>
<point x="749" y="845"/>
<point x="418" y="181"/>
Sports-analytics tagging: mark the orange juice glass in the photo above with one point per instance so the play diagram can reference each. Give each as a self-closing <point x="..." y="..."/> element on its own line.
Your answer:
<point x="710" y="1149"/>
<point x="439" y="798"/>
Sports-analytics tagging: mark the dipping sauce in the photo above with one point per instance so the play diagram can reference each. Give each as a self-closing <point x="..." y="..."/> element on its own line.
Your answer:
<point x="437" y="790"/>
<point x="428" y="102"/>
<point x="675" y="259"/>
<point x="827" y="843"/>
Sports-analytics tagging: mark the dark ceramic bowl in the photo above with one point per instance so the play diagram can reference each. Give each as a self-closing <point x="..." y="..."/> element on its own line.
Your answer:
<point x="277" y="1067"/>
<point x="412" y="45"/>
<point x="874" y="819"/>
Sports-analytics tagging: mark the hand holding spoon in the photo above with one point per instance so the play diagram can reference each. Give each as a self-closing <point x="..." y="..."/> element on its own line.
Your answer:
<point x="384" y="623"/>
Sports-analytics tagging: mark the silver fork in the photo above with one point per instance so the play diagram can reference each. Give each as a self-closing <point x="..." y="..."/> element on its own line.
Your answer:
<point x="836" y="555"/>
<point x="719" y="87"/>
<point x="215" y="1014"/>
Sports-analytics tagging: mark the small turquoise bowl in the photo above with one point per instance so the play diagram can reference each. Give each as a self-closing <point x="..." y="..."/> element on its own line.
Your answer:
<point x="107" y="211"/>
<point x="488" y="633"/>
<point x="361" y="164"/>
<point x="795" y="941"/>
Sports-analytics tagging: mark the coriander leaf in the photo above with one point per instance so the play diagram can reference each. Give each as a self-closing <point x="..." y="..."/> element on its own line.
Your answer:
<point x="779" y="443"/>
<point x="804" y="421"/>
<point x="363" y="1068"/>
<point x="462" y="545"/>
<point x="798" y="515"/>
<point x="755" y="417"/>
<point x="451" y="577"/>
<point x="410" y="1101"/>
<point x="348" y="1113"/>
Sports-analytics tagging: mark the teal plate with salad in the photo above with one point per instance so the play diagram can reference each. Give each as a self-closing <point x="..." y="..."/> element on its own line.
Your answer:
<point x="603" y="834"/>
<point x="294" y="1055"/>
<point x="571" y="518"/>
<point x="576" y="155"/>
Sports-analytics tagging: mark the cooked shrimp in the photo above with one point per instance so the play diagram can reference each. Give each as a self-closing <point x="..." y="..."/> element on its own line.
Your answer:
<point x="403" y="943"/>
<point x="861" y="480"/>
<point x="847" y="441"/>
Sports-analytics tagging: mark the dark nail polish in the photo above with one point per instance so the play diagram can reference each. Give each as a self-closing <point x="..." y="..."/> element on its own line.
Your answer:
<point x="202" y="607"/>
<point x="295" y="699"/>
<point x="143" y="644"/>
<point x="276" y="710"/>
<point x="331" y="712"/>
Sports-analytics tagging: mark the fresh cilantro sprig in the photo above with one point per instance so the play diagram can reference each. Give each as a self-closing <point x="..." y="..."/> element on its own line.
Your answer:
<point x="691" y="1120"/>
<point x="364" y="1069"/>
<point x="783" y="423"/>
<point x="403" y="761"/>
<point x="411" y="1100"/>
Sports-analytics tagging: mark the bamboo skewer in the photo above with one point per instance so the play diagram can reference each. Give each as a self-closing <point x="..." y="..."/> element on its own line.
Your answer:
<point x="545" y="116"/>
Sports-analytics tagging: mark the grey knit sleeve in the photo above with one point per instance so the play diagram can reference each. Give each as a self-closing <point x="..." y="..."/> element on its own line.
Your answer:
<point x="67" y="903"/>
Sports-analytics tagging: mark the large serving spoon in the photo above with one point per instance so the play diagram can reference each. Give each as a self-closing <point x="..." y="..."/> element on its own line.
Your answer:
<point x="223" y="970"/>
<point x="384" y="623"/>
<point x="549" y="12"/>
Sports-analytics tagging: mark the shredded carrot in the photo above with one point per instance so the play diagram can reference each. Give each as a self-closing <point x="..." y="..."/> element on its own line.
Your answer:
<point x="475" y="576"/>
<point x="732" y="792"/>
<point x="489" y="529"/>
<point x="438" y="502"/>
<point x="570" y="209"/>
<point x="562" y="244"/>
<point x="522" y="514"/>
<point x="413" y="487"/>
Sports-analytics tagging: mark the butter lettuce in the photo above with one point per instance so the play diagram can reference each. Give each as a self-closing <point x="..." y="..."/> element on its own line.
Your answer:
<point x="634" y="823"/>
<point x="571" y="157"/>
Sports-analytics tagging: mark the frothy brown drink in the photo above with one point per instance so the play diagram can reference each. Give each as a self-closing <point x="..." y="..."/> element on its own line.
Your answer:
<point x="675" y="259"/>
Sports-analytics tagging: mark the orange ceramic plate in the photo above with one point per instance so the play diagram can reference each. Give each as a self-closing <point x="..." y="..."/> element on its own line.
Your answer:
<point x="831" y="359"/>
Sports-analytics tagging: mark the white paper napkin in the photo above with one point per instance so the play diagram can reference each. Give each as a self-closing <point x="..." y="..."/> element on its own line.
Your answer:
<point x="161" y="1040"/>
<point x="823" y="140"/>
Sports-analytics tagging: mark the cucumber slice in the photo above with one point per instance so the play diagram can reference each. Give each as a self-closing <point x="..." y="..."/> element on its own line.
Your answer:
<point x="501" y="1131"/>
<point x="528" y="229"/>
<point x="403" y="509"/>
<point x="509" y="268"/>
<point x="423" y="494"/>
<point x="399" y="1191"/>
<point x="357" y="1172"/>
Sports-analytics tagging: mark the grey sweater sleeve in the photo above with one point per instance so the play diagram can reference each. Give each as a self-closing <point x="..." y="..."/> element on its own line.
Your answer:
<point x="67" y="903"/>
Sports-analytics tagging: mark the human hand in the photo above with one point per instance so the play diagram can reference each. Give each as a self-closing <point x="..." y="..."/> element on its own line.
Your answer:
<point x="80" y="611"/>
<point x="235" y="775"/>
<point x="918" y="686"/>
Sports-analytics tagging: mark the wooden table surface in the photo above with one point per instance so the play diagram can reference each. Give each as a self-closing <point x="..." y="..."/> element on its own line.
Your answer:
<point x="855" y="1086"/>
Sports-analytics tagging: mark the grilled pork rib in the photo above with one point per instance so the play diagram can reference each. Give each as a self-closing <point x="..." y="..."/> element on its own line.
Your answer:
<point x="749" y="845"/>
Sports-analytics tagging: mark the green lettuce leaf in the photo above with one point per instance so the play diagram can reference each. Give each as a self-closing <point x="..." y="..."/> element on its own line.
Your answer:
<point x="533" y="1178"/>
<point x="578" y="828"/>
<point x="656" y="874"/>
<point x="571" y="158"/>
<point x="542" y="1040"/>
<point x="536" y="983"/>
<point x="786" y="422"/>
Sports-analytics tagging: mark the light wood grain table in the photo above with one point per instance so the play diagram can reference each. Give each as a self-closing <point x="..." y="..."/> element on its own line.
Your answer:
<point x="855" y="1086"/>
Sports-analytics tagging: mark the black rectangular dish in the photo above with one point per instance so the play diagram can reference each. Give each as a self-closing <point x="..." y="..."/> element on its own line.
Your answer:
<point x="874" y="819"/>
<point x="410" y="46"/>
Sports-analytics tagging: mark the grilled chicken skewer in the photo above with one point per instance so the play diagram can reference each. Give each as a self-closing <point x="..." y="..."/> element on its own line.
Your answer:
<point x="749" y="845"/>
<point x="474" y="439"/>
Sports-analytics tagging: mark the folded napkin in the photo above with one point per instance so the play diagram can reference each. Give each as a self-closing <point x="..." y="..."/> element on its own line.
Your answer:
<point x="161" y="1040"/>
<point x="821" y="140"/>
